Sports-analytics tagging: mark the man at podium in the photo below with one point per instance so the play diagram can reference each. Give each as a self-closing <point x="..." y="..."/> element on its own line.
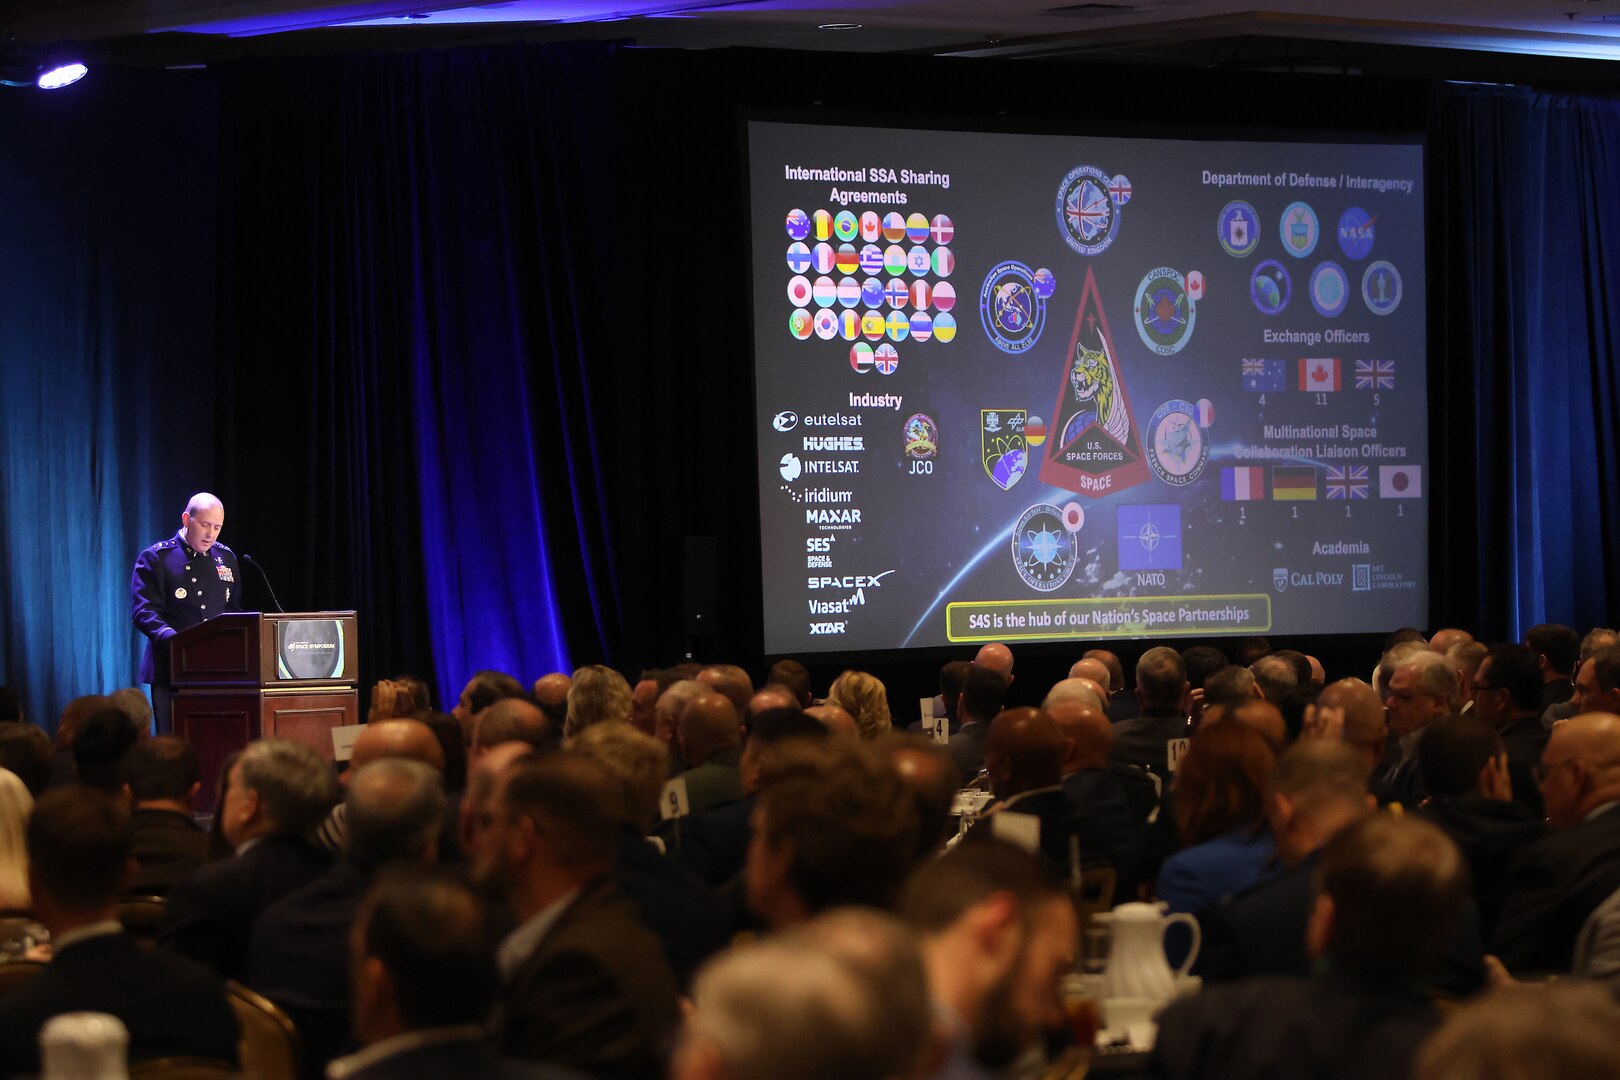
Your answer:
<point x="179" y="583"/>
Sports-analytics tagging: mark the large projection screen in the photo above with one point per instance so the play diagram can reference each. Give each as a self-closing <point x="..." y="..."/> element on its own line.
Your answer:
<point x="1027" y="387"/>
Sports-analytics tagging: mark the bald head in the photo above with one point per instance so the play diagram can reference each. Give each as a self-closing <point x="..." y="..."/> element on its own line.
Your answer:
<point x="1087" y="735"/>
<point x="396" y="739"/>
<point x="998" y="658"/>
<point x="731" y="682"/>
<point x="1445" y="639"/>
<point x="772" y="697"/>
<point x="1075" y="692"/>
<point x="1582" y="764"/>
<point x="1116" y="671"/>
<point x="511" y="720"/>
<point x="201" y="501"/>
<point x="1265" y="718"/>
<point x="708" y="725"/>
<point x="1088" y="668"/>
<point x="835" y="719"/>
<point x="1318" y="672"/>
<point x="1023" y="751"/>
<point x="551" y="691"/>
<point x="1363" y="713"/>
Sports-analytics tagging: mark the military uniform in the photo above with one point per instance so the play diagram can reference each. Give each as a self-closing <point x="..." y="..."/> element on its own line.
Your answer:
<point x="175" y="588"/>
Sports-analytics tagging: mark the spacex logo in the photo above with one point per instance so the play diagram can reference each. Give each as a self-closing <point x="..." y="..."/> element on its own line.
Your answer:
<point x="786" y="420"/>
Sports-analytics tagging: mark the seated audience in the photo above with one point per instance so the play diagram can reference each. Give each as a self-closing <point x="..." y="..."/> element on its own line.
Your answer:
<point x="1266" y="720"/>
<point x="835" y="718"/>
<point x="584" y="982"/>
<point x="596" y="693"/>
<point x="79" y="855"/>
<point x="278" y="791"/>
<point x="644" y="702"/>
<point x="926" y="769"/>
<point x="952" y="677"/>
<point x="771" y="697"/>
<point x="668" y="713"/>
<point x="1595" y="641"/>
<point x="855" y="1008"/>
<point x="863" y="697"/>
<point x="551" y="694"/>
<point x="1389" y="901"/>
<point x="730" y="682"/>
<point x="1275" y="677"/>
<point x="15" y="806"/>
<point x="1230" y="687"/>
<point x="709" y="735"/>
<point x="1094" y="790"/>
<point x="1471" y="798"/>
<point x="1423" y="686"/>
<point x="673" y="903"/>
<point x="834" y="825"/>
<point x="423" y="957"/>
<point x="483" y="690"/>
<point x="997" y="934"/>
<point x="132" y="702"/>
<point x="1467" y="656"/>
<point x="512" y="720"/>
<point x="448" y="732"/>
<point x="1444" y="640"/>
<point x="998" y="658"/>
<point x="163" y="782"/>
<point x="1161" y="688"/>
<point x="410" y="739"/>
<point x="1597" y="684"/>
<point x="26" y="751"/>
<point x="1556" y="649"/>
<point x="1220" y="811"/>
<point x="982" y="695"/>
<point x="298" y="957"/>
<point x="99" y="746"/>
<point x="1351" y="710"/>
<point x="1564" y="1031"/>
<point x="1122" y="703"/>
<point x="793" y="677"/>
<point x="1507" y="696"/>
<point x="1558" y="882"/>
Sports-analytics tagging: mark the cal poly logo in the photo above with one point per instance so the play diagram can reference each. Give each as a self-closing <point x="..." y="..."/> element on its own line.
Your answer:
<point x="1279" y="578"/>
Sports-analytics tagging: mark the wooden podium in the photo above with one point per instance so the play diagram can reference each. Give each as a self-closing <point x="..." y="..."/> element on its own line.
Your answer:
<point x="250" y="675"/>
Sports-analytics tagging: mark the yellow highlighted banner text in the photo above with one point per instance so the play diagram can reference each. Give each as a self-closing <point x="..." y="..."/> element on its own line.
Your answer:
<point x="1126" y="616"/>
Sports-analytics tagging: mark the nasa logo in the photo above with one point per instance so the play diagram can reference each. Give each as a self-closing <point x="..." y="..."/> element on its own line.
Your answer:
<point x="786" y="420"/>
<point x="1356" y="233"/>
<point x="1087" y="215"/>
<point x="1012" y="312"/>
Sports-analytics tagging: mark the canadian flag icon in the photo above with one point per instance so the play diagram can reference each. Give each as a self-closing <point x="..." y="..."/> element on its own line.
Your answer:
<point x="1195" y="285"/>
<point x="1319" y="374"/>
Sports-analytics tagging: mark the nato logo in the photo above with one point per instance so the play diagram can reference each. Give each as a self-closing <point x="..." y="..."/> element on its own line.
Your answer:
<point x="1150" y="537"/>
<point x="1356" y="233"/>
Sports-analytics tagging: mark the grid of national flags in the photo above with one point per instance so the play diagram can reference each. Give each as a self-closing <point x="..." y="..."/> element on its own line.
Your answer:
<point x="1316" y="374"/>
<point x="871" y="276"/>
<point x="1285" y="483"/>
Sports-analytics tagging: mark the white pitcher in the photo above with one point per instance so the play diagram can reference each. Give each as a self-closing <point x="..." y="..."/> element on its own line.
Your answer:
<point x="1137" y="967"/>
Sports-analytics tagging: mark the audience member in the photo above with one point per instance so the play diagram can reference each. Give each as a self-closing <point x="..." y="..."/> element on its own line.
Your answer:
<point x="1300" y="664"/>
<point x="1220" y="812"/>
<point x="1597" y="685"/>
<point x="512" y="720"/>
<point x="864" y="697"/>
<point x="982" y="695"/>
<point x="710" y="738"/>
<point x="998" y="658"/>
<point x="1444" y="640"/>
<point x="1088" y="668"/>
<point x="596" y="694"/>
<point x="1229" y="687"/>
<point x="422" y="957"/>
<point x="163" y="782"/>
<point x="551" y="694"/>
<point x="1275" y="676"/>
<point x="1351" y="710"/>
<point x="1393" y="656"/>
<point x="673" y="903"/>
<point x="1467" y="656"/>
<point x="448" y="732"/>
<point x="1076" y="690"/>
<point x="1594" y="642"/>
<point x="15" y="806"/>
<point x="26" y="751"/>
<point x="1556" y="648"/>
<point x="730" y="682"/>
<point x="1564" y="1031"/>
<point x="834" y="825"/>
<point x="482" y="779"/>
<point x="1121" y="702"/>
<point x="1023" y="758"/>
<point x="952" y="677"/>
<point x="1202" y="661"/>
<point x="997" y="934"/>
<point x="835" y="718"/>
<point x="298" y="956"/>
<point x="1422" y="687"/>
<point x="793" y="677"/>
<point x="132" y="702"/>
<point x="1559" y="881"/>
<point x="1597" y="948"/>
<point x="855" y="1008"/>
<point x="1266" y="719"/>
<point x="668" y="714"/>
<point x="644" y="703"/>
<point x="1471" y="797"/>
<point x="1251" y="649"/>
<point x="926" y="769"/>
<point x="99" y="746"/>
<point x="585" y="984"/>
<point x="1389" y="900"/>
<point x="1161" y="688"/>
<point x="277" y="792"/>
<point x="79" y="856"/>
<point x="1096" y="793"/>
<point x="1507" y="696"/>
<point x="380" y="739"/>
<point x="771" y="697"/>
<point x="483" y="690"/>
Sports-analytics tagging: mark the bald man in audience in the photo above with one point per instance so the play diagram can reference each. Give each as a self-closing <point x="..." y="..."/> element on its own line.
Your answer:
<point x="512" y="720"/>
<point x="1121" y="700"/>
<point x="644" y="703"/>
<point x="710" y="735"/>
<point x="835" y="718"/>
<point x="772" y="697"/>
<point x="1265" y="718"/>
<point x="731" y="682"/>
<point x="551" y="694"/>
<point x="483" y="776"/>
<point x="1087" y="668"/>
<point x="1350" y="710"/>
<point x="1443" y="640"/>
<point x="1075" y="691"/>
<point x="381" y="739"/>
<point x="1558" y="882"/>
<point x="1023" y="758"/>
<point x="1093" y="790"/>
<point x="998" y="658"/>
<point x="928" y="772"/>
<point x="1275" y="676"/>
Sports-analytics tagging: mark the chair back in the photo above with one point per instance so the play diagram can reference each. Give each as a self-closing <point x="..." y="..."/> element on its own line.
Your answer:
<point x="184" y="1068"/>
<point x="14" y="973"/>
<point x="141" y="916"/>
<point x="270" y="1048"/>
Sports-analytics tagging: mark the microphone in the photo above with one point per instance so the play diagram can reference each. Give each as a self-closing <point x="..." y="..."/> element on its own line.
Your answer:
<point x="251" y="561"/>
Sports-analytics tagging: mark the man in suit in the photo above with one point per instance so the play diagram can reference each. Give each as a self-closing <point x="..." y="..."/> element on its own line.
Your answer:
<point x="299" y="953"/>
<point x="1161" y="688"/>
<point x="1423" y="686"/>
<point x="1391" y="892"/>
<point x="163" y="784"/>
<point x="585" y="983"/>
<point x="709" y="733"/>
<point x="277" y="792"/>
<point x="1559" y="881"/>
<point x="1507" y="695"/>
<point x="423" y="957"/>
<point x="1093" y="789"/>
<point x="79" y="844"/>
<point x="1556" y="648"/>
<point x="982" y="695"/>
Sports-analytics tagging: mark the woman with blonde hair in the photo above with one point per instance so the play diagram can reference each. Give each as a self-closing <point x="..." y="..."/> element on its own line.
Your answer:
<point x="595" y="694"/>
<point x="864" y="697"/>
<point x="15" y="806"/>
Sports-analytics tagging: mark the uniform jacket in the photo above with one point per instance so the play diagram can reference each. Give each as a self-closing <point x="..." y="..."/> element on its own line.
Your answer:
<point x="173" y="589"/>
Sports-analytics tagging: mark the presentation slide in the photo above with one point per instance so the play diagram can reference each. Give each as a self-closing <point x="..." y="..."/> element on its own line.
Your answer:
<point x="1041" y="388"/>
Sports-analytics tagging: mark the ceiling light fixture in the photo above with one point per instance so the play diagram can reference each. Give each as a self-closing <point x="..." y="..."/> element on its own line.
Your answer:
<point x="839" y="26"/>
<point x="56" y="76"/>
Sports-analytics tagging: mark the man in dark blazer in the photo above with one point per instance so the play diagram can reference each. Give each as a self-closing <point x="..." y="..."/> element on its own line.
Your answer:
<point x="79" y="844"/>
<point x="163" y="782"/>
<point x="710" y="735"/>
<point x="982" y="695"/>
<point x="1559" y="881"/>
<point x="1161" y="687"/>
<point x="299" y="955"/>
<point x="585" y="983"/>
<point x="424" y="985"/>
<point x="278" y="792"/>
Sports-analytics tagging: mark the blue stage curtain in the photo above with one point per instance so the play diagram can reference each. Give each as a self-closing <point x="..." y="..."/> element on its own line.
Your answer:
<point x="106" y="364"/>
<point x="1526" y="210"/>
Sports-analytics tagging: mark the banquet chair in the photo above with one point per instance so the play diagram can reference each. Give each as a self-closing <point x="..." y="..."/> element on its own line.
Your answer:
<point x="270" y="1048"/>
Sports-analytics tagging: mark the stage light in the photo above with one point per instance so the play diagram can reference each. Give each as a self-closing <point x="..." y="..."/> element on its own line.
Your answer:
<point x="56" y="76"/>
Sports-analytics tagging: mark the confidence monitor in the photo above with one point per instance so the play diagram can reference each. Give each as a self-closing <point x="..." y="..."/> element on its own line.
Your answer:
<point x="1032" y="387"/>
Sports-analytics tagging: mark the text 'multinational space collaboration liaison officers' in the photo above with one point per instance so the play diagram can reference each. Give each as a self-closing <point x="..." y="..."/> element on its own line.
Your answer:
<point x="179" y="583"/>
